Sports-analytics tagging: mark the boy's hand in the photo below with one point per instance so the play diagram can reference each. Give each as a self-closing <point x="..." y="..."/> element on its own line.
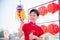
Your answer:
<point x="22" y="21"/>
<point x="31" y="36"/>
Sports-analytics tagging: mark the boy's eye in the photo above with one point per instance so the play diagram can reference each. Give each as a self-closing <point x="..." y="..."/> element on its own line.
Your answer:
<point x="32" y="15"/>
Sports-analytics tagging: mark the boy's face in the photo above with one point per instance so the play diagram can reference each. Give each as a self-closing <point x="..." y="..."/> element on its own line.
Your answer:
<point x="33" y="16"/>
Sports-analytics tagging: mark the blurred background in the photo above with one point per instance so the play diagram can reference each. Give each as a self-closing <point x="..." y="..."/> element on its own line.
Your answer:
<point x="9" y="23"/>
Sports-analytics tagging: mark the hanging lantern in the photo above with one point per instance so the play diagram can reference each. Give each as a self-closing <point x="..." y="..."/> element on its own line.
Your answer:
<point x="42" y="10"/>
<point x="53" y="7"/>
<point x="44" y="28"/>
<point x="53" y="28"/>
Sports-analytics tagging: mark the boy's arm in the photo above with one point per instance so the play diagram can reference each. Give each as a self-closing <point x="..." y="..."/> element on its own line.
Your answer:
<point x="20" y="33"/>
<point x="20" y="30"/>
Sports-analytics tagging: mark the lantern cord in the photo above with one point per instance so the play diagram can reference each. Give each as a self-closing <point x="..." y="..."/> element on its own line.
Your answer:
<point x="49" y="22"/>
<point x="42" y="4"/>
<point x="20" y="2"/>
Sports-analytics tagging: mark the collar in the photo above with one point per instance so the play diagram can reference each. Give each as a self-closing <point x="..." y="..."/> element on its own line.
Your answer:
<point x="32" y="23"/>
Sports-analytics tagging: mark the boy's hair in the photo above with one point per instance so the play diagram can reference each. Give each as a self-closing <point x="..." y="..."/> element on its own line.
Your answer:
<point x="36" y="12"/>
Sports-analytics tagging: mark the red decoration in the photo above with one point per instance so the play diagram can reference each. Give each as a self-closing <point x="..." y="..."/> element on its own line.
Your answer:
<point x="44" y="28"/>
<point x="20" y="12"/>
<point x="53" y="7"/>
<point x="43" y="10"/>
<point x="53" y="28"/>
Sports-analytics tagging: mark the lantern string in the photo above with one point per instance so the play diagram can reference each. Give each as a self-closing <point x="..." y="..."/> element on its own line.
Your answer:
<point x="42" y="4"/>
<point x="49" y="22"/>
<point x="20" y="2"/>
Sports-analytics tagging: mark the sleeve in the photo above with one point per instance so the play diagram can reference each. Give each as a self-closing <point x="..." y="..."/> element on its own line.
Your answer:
<point x="24" y="28"/>
<point x="41" y="32"/>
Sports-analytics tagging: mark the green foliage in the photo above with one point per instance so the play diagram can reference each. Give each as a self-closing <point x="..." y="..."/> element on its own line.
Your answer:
<point x="1" y="34"/>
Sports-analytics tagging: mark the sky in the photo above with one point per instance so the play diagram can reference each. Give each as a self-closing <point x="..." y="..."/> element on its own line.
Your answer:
<point x="8" y="11"/>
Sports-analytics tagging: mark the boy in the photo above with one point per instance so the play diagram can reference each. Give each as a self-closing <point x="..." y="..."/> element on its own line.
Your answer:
<point x="30" y="30"/>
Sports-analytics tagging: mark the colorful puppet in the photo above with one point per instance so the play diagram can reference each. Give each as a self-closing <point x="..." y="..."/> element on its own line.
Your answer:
<point x="20" y="13"/>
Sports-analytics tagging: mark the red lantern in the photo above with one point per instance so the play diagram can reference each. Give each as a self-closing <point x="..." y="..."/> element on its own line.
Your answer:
<point x="42" y="10"/>
<point x="44" y="28"/>
<point x="53" y="7"/>
<point x="53" y="28"/>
